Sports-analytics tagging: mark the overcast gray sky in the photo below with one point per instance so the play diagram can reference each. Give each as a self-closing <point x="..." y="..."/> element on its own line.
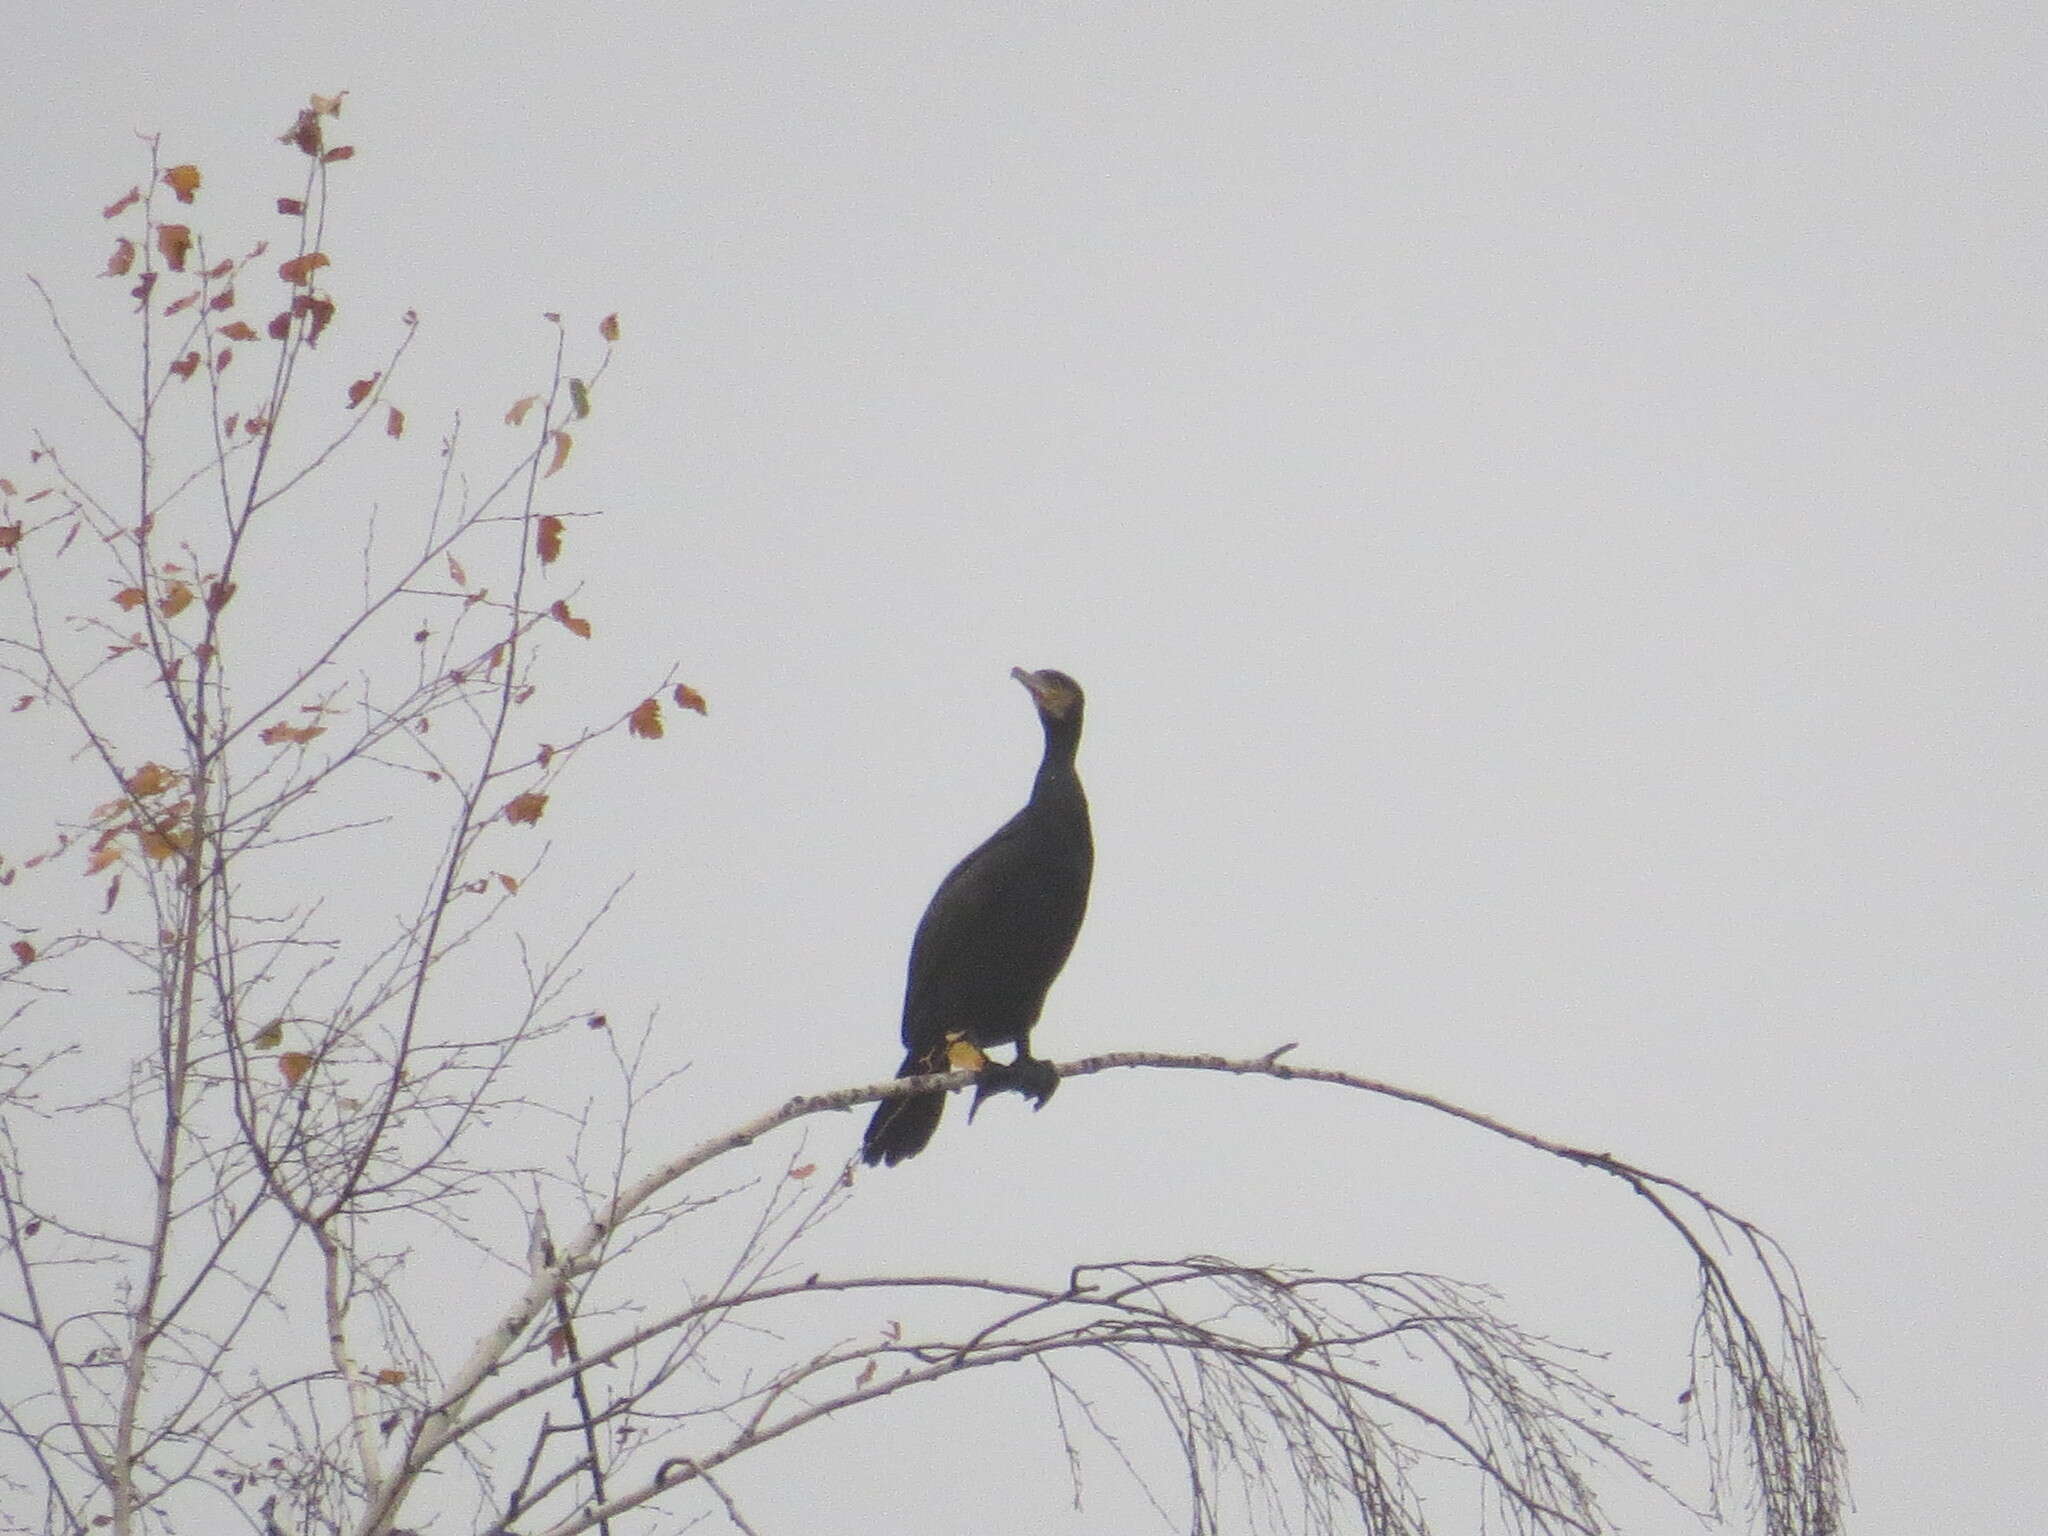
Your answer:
<point x="1546" y="503"/>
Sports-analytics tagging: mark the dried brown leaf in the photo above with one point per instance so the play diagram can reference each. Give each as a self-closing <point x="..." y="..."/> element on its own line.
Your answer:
<point x="359" y="391"/>
<point x="519" y="409"/>
<point x="646" y="719"/>
<point x="279" y="734"/>
<point x="149" y="779"/>
<point x="174" y="241"/>
<point x="687" y="697"/>
<point x="176" y="599"/>
<point x="294" y="1065"/>
<point x="559" y="612"/>
<point x="526" y="809"/>
<point x="121" y="205"/>
<point x="394" y="422"/>
<point x="547" y="540"/>
<point x="186" y="366"/>
<point x="24" y="952"/>
<point x="608" y="327"/>
<point x="122" y="259"/>
<point x="561" y="454"/>
<point x="183" y="180"/>
<point x="300" y="269"/>
<point x="304" y="133"/>
<point x="290" y="206"/>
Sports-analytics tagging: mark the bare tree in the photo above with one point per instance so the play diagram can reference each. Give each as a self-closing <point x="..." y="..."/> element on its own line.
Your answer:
<point x="250" y="1125"/>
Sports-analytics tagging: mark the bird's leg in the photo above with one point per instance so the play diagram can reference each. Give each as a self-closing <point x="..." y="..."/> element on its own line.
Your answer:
<point x="1029" y="1075"/>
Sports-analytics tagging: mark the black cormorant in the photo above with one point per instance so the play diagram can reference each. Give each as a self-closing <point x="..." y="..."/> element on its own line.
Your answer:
<point x="995" y="935"/>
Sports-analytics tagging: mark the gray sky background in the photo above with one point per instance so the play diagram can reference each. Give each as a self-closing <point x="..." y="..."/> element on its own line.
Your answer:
<point x="1546" y="503"/>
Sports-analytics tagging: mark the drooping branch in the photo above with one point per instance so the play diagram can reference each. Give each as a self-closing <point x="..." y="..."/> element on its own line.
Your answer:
<point x="1775" y="1390"/>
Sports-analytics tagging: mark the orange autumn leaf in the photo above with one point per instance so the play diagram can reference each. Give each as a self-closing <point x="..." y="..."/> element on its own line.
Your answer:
<point x="344" y="152"/>
<point x="646" y="719"/>
<point x="608" y="327"/>
<point x="185" y="303"/>
<point x="300" y="269"/>
<point x="219" y="270"/>
<point x="10" y="535"/>
<point x="24" y="952"/>
<point x="183" y="180"/>
<point x="218" y="595"/>
<point x="121" y="205"/>
<point x="175" y="242"/>
<point x="519" y="409"/>
<point x="161" y="841"/>
<point x="525" y="810"/>
<point x="511" y="885"/>
<point x="101" y="858"/>
<point x="558" y="1344"/>
<point x="803" y="1172"/>
<point x="279" y="734"/>
<point x="225" y="299"/>
<point x="359" y="391"/>
<point x="561" y="455"/>
<point x="122" y="259"/>
<point x="560" y="613"/>
<point x="186" y="366"/>
<point x="176" y="599"/>
<point x="687" y="697"/>
<point x="130" y="597"/>
<point x="547" y="540"/>
<point x="327" y="106"/>
<point x="389" y="1377"/>
<point x="238" y="330"/>
<point x="149" y="779"/>
<point x="294" y="1065"/>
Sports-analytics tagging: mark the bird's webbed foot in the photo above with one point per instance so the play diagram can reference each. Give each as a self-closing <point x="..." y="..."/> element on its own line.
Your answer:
<point x="1028" y="1075"/>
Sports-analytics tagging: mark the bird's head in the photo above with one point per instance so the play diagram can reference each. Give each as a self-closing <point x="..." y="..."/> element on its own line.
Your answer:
<point x="1057" y="695"/>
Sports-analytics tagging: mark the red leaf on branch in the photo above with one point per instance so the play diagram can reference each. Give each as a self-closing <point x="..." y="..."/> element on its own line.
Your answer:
<point x="359" y="391"/>
<point x="122" y="259"/>
<point x="183" y="180"/>
<point x="394" y="424"/>
<point x="645" y="720"/>
<point x="560" y="613"/>
<point x="24" y="952"/>
<point x="608" y="327"/>
<point x="121" y="205"/>
<point x="238" y="330"/>
<point x="293" y="1066"/>
<point x="290" y="206"/>
<point x="186" y="366"/>
<point x="547" y="540"/>
<point x="687" y="697"/>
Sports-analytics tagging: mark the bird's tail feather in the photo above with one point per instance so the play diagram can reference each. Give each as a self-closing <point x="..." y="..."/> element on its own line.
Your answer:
<point x="901" y="1127"/>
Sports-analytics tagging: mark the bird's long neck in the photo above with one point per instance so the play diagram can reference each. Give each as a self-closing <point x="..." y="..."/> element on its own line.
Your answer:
<point x="1057" y="778"/>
